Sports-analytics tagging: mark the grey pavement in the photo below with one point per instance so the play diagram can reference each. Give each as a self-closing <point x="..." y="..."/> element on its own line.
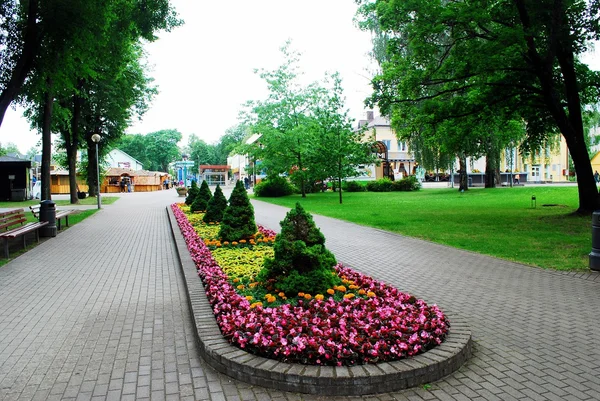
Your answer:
<point x="100" y="312"/>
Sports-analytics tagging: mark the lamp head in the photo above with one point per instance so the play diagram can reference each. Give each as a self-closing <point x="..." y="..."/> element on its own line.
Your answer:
<point x="96" y="138"/>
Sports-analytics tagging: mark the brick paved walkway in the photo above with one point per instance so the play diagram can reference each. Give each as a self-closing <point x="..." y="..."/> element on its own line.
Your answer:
<point x="100" y="312"/>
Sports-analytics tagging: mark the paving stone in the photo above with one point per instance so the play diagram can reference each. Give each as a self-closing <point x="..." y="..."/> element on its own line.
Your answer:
<point x="115" y="313"/>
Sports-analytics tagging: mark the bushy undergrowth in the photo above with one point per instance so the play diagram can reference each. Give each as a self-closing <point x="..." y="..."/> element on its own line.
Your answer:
<point x="273" y="187"/>
<point x="238" y="219"/>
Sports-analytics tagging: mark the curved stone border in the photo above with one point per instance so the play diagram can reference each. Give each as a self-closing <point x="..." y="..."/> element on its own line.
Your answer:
<point x="323" y="380"/>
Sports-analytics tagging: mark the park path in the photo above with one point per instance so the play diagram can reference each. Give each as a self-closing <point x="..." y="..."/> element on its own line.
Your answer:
<point x="100" y="312"/>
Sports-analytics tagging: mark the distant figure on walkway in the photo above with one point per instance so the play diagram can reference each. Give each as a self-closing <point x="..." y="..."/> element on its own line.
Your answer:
<point x="246" y="183"/>
<point x="122" y="185"/>
<point x="517" y="179"/>
<point x="596" y="176"/>
<point x="166" y="183"/>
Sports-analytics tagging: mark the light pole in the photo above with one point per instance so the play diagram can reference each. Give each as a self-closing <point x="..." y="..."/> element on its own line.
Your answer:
<point x="96" y="138"/>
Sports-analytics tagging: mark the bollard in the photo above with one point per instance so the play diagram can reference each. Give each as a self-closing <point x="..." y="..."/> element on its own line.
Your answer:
<point x="595" y="254"/>
<point x="48" y="213"/>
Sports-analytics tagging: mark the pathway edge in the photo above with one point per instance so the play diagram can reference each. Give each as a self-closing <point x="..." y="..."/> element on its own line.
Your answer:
<point x="323" y="380"/>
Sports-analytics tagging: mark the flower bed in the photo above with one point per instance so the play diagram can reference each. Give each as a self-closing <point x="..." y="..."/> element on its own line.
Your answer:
<point x="365" y="321"/>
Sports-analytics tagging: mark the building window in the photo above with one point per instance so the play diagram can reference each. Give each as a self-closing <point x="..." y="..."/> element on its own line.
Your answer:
<point x="401" y="146"/>
<point x="388" y="143"/>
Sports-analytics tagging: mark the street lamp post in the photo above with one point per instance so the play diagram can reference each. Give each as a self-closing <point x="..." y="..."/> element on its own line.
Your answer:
<point x="96" y="138"/>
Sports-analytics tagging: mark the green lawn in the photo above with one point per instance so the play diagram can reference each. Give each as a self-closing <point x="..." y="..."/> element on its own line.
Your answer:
<point x="499" y="222"/>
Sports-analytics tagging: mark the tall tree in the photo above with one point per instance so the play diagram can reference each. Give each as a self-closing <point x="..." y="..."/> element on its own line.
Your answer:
<point x="452" y="60"/>
<point x="338" y="149"/>
<point x="162" y="149"/>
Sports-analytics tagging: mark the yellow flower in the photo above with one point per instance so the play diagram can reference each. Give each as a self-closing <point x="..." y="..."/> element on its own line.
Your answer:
<point x="240" y="287"/>
<point x="249" y="297"/>
<point x="267" y="296"/>
<point x="319" y="297"/>
<point x="254" y="305"/>
<point x="349" y="296"/>
<point x="370" y="294"/>
<point x="353" y="287"/>
<point x="330" y="291"/>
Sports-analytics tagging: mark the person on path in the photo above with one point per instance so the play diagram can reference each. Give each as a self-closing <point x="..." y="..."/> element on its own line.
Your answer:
<point x="517" y="178"/>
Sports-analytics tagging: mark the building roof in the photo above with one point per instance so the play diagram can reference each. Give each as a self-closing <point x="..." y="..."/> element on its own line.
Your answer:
<point x="119" y="171"/>
<point x="12" y="159"/>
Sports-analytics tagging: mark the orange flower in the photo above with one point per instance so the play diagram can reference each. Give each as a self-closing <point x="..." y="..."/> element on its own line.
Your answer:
<point x="236" y="280"/>
<point x="307" y="296"/>
<point x="362" y="292"/>
<point x="341" y="288"/>
<point x="370" y="294"/>
<point x="319" y="297"/>
<point x="300" y="294"/>
<point x="240" y="287"/>
<point x="254" y="305"/>
<point x="242" y="241"/>
<point x="281" y="294"/>
<point x="249" y="297"/>
<point x="349" y="296"/>
<point x="353" y="287"/>
<point x="234" y="243"/>
<point x="331" y="291"/>
<point x="225" y="242"/>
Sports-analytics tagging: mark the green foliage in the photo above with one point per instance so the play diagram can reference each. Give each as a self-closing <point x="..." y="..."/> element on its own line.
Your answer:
<point x="301" y="262"/>
<point x="353" y="186"/>
<point x="192" y="193"/>
<point x="380" y="185"/>
<point x="238" y="219"/>
<point x="201" y="200"/>
<point x="410" y="183"/>
<point x="273" y="187"/>
<point x="216" y="207"/>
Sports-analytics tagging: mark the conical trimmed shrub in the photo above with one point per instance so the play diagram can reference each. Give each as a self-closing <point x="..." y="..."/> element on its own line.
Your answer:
<point x="192" y="193"/>
<point x="216" y="207"/>
<point x="238" y="218"/>
<point x="301" y="262"/>
<point x="201" y="200"/>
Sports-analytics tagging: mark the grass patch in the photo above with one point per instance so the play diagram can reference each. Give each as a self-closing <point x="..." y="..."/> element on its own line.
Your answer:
<point x="498" y="221"/>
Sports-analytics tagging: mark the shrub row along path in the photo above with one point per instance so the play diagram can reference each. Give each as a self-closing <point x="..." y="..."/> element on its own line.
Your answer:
<point x="100" y="312"/>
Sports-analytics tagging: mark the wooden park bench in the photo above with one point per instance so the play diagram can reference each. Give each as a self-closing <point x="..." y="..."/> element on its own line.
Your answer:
<point x="60" y="214"/>
<point x="12" y="225"/>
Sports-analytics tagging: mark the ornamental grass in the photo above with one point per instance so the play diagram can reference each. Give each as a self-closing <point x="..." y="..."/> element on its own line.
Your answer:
<point x="361" y="321"/>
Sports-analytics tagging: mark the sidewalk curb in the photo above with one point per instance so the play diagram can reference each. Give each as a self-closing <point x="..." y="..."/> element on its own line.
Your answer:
<point x="323" y="380"/>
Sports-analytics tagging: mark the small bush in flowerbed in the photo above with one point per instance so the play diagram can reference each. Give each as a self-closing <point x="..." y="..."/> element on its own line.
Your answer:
<point x="201" y="200"/>
<point x="216" y="207"/>
<point x="273" y="187"/>
<point x="238" y="218"/>
<point x="360" y="321"/>
<point x="380" y="185"/>
<point x="192" y="193"/>
<point x="301" y="262"/>
<point x="353" y="186"/>
<point x="410" y="183"/>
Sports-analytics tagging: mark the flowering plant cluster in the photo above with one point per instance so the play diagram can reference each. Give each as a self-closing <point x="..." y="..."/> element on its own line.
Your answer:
<point x="371" y="322"/>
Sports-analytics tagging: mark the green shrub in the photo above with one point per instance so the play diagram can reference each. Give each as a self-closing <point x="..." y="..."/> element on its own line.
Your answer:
<point x="410" y="183"/>
<point x="353" y="186"/>
<point x="200" y="202"/>
<point x="301" y="262"/>
<point x="273" y="187"/>
<point x="216" y="207"/>
<point x="238" y="218"/>
<point x="192" y="193"/>
<point x="380" y="185"/>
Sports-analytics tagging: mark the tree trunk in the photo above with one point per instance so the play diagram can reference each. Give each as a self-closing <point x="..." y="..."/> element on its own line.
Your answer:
<point x="47" y="143"/>
<point x="71" y="146"/>
<point x="490" y="171"/>
<point x="24" y="63"/>
<point x="92" y="176"/>
<point x="340" y="178"/>
<point x="462" y="173"/>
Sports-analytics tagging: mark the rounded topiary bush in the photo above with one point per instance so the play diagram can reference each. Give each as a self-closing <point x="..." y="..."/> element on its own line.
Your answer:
<point x="301" y="262"/>
<point x="353" y="186"/>
<point x="410" y="183"/>
<point x="238" y="219"/>
<point x="380" y="185"/>
<point x="192" y="193"/>
<point x="273" y="187"/>
<point x="216" y="207"/>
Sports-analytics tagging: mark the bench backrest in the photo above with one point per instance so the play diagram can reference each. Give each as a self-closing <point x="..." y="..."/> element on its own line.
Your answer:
<point x="12" y="218"/>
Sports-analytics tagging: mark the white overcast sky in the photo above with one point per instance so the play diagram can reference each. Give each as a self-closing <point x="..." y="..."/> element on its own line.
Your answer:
<point x="205" y="69"/>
